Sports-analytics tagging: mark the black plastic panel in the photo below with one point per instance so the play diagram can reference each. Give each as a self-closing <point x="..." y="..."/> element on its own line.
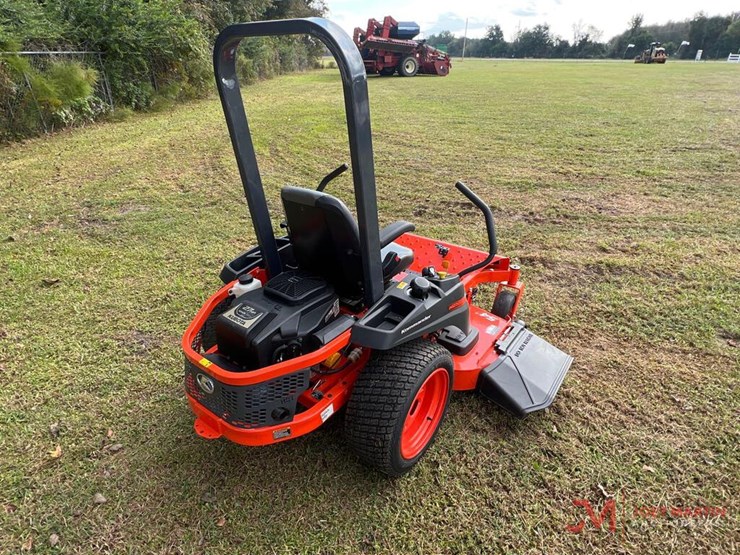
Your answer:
<point x="249" y="406"/>
<point x="527" y="375"/>
<point x="399" y="316"/>
<point x="252" y="258"/>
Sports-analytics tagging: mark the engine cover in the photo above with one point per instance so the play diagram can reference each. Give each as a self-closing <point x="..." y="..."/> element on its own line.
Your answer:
<point x="276" y="322"/>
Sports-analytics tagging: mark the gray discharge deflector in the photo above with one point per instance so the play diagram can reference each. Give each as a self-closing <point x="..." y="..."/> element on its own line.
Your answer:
<point x="527" y="375"/>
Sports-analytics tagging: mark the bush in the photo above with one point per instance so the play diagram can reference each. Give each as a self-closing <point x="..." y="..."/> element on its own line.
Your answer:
<point x="155" y="52"/>
<point x="71" y="81"/>
<point x="119" y="114"/>
<point x="146" y="44"/>
<point x="59" y="95"/>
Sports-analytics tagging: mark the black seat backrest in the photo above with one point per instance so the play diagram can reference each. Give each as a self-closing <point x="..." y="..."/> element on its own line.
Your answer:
<point x="325" y="238"/>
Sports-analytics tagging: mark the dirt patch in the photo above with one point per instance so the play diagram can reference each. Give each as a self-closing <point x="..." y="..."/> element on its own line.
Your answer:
<point x="92" y="222"/>
<point x="436" y="208"/>
<point x="729" y="338"/>
<point x="132" y="208"/>
<point x="616" y="204"/>
<point x="533" y="218"/>
<point x="139" y="343"/>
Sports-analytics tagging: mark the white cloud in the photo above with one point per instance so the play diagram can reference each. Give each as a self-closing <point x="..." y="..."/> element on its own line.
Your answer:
<point x="438" y="15"/>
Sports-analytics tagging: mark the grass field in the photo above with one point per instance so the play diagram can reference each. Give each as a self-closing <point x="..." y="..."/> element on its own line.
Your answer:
<point x="617" y="188"/>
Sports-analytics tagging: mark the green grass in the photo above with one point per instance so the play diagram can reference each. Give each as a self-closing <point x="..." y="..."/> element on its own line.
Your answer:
<point x="615" y="185"/>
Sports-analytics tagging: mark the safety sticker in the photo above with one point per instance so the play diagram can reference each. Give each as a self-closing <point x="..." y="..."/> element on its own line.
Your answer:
<point x="205" y="363"/>
<point x="327" y="412"/>
<point x="402" y="284"/>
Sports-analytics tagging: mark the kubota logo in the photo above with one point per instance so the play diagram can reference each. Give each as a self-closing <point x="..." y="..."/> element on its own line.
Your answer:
<point x="205" y="383"/>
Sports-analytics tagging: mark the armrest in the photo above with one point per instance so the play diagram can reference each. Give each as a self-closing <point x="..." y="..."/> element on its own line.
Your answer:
<point x="393" y="231"/>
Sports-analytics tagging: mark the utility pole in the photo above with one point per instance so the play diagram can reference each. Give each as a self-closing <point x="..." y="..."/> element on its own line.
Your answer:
<point x="465" y="38"/>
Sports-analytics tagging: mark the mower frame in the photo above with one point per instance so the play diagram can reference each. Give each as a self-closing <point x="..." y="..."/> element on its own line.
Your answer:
<point x="336" y="388"/>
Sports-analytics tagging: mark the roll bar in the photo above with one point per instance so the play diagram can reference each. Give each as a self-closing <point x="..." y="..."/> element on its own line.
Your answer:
<point x="357" y="108"/>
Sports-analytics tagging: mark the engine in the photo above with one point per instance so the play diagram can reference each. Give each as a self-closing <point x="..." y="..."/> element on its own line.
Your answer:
<point x="293" y="314"/>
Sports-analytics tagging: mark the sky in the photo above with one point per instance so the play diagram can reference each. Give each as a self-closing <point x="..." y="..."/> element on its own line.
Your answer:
<point x="445" y="15"/>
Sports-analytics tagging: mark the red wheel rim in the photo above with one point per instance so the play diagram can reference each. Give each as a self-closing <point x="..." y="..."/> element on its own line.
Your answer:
<point x="425" y="413"/>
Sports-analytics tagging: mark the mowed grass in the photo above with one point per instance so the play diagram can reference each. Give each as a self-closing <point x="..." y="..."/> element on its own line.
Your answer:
<point x="616" y="186"/>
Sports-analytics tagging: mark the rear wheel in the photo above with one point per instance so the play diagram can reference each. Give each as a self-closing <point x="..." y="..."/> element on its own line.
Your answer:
<point x="397" y="405"/>
<point x="409" y="67"/>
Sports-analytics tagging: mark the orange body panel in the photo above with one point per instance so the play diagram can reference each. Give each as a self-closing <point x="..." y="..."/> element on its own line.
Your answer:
<point x="336" y="388"/>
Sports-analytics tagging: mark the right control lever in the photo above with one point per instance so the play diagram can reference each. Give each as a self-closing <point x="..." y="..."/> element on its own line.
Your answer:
<point x="490" y="227"/>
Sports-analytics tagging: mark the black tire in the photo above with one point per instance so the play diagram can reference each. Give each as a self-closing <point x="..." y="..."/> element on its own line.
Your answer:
<point x="382" y="398"/>
<point x="408" y="67"/>
<point x="387" y="71"/>
<point x="504" y="303"/>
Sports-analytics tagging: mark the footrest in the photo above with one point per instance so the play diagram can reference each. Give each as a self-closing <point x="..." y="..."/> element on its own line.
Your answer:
<point x="527" y="375"/>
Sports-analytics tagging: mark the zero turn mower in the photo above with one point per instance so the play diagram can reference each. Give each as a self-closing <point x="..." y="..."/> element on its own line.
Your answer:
<point x="341" y="314"/>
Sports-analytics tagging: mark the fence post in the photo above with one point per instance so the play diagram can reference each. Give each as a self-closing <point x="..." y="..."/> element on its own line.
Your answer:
<point x="35" y="100"/>
<point x="106" y="84"/>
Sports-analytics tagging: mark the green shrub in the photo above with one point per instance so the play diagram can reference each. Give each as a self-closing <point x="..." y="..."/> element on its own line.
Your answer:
<point x="72" y="81"/>
<point x="154" y="53"/>
<point x="119" y="114"/>
<point x="58" y="96"/>
<point x="146" y="44"/>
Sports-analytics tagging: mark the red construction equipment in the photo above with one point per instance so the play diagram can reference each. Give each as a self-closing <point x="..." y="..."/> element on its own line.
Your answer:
<point x="389" y="47"/>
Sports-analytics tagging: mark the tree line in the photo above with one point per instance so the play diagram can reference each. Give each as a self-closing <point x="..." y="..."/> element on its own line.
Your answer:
<point x="716" y="36"/>
<point x="154" y="52"/>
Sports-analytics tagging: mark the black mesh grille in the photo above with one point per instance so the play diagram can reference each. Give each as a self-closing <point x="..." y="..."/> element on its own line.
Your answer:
<point x="249" y="406"/>
<point x="206" y="336"/>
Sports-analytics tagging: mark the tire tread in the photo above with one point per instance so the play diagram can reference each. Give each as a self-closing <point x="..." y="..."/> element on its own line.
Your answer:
<point x="379" y="396"/>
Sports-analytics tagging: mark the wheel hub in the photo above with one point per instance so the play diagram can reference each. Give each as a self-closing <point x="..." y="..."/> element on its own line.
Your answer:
<point x="425" y="413"/>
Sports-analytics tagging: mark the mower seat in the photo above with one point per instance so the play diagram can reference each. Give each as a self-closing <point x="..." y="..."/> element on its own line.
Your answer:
<point x="326" y="240"/>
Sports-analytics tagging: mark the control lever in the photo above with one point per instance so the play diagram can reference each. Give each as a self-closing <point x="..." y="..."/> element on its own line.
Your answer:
<point x="331" y="175"/>
<point x="490" y="227"/>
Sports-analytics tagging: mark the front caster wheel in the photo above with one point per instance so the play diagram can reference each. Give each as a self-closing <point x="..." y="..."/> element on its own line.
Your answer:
<point x="398" y="404"/>
<point x="504" y="304"/>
